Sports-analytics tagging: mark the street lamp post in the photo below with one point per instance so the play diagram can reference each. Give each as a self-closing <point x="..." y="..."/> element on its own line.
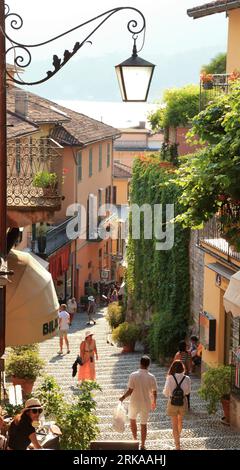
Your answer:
<point x="3" y="171"/>
<point x="129" y="73"/>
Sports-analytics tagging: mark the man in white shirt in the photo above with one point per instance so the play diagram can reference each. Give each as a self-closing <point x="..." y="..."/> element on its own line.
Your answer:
<point x="63" y="323"/>
<point x="142" y="389"/>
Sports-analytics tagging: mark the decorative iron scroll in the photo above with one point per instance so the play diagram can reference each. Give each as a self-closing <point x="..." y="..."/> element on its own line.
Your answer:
<point x="34" y="174"/>
<point x="23" y="56"/>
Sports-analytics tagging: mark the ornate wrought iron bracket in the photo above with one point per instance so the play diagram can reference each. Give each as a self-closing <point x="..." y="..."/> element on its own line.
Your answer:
<point x="16" y="23"/>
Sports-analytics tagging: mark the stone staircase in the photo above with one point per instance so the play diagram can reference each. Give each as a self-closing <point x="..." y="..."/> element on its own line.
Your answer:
<point x="200" y="432"/>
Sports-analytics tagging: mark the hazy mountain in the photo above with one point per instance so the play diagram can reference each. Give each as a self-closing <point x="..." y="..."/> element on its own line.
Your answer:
<point x="94" y="79"/>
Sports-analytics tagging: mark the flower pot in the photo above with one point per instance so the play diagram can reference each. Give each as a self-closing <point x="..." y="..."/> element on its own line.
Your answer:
<point x="208" y="85"/>
<point x="128" y="348"/>
<point x="26" y="384"/>
<point x="50" y="191"/>
<point x="226" y="409"/>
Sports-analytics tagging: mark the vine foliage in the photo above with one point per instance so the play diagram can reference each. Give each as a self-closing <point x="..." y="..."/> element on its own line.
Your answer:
<point x="158" y="281"/>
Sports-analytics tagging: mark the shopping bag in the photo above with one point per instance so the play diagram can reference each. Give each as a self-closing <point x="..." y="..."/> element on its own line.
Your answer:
<point x="119" y="418"/>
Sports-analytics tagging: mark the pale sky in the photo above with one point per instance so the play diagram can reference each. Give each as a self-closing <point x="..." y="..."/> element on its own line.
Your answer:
<point x="169" y="31"/>
<point x="169" y="28"/>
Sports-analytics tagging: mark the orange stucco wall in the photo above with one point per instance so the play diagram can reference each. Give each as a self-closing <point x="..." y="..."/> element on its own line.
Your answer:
<point x="122" y="190"/>
<point x="233" y="55"/>
<point x="77" y="191"/>
<point x="90" y="264"/>
<point x="179" y="135"/>
<point x="126" y="157"/>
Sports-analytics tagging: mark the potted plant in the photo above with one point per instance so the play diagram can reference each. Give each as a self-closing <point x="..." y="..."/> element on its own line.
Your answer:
<point x="115" y="315"/>
<point x="216" y="387"/>
<point x="24" y="365"/>
<point x="235" y="75"/>
<point x="206" y="80"/>
<point x="47" y="181"/>
<point x="126" y="335"/>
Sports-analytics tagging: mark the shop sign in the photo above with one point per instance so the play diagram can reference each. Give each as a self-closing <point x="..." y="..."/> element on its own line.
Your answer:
<point x="105" y="274"/>
<point x="207" y="331"/>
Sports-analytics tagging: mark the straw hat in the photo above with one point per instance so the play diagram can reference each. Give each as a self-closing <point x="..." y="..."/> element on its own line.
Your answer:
<point x="32" y="403"/>
<point x="88" y="333"/>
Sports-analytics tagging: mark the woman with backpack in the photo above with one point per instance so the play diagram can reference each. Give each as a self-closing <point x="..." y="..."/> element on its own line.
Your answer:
<point x="177" y="387"/>
<point x="184" y="355"/>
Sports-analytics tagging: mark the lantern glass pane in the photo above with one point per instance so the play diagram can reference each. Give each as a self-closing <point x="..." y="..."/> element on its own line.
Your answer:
<point x="136" y="81"/>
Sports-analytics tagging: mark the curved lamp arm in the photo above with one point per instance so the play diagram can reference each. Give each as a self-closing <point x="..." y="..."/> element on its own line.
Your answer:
<point x="19" y="60"/>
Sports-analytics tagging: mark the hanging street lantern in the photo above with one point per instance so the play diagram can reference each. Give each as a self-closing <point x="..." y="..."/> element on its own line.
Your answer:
<point x="134" y="77"/>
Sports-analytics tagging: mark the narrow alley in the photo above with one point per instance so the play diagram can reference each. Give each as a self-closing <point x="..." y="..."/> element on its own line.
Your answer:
<point x="200" y="431"/>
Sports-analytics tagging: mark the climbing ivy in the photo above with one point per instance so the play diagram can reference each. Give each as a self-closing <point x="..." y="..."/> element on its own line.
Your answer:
<point x="158" y="281"/>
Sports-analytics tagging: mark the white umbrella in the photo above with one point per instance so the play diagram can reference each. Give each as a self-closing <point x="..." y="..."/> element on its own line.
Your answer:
<point x="31" y="303"/>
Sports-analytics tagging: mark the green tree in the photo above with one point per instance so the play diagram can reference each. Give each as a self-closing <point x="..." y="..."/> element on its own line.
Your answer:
<point x="178" y="108"/>
<point x="216" y="65"/>
<point x="214" y="170"/>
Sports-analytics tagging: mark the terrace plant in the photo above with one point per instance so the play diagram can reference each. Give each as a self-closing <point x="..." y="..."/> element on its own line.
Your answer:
<point x="44" y="179"/>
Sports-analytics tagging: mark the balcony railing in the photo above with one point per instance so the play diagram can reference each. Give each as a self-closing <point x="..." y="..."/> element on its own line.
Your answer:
<point x="54" y="239"/>
<point x="211" y="89"/>
<point x="26" y="158"/>
<point x="130" y="144"/>
<point x="211" y="235"/>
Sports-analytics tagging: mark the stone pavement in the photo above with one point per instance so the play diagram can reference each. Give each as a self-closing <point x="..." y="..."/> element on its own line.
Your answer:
<point x="113" y="368"/>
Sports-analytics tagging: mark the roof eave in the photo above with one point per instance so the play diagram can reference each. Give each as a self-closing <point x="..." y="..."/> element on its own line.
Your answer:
<point x="208" y="9"/>
<point x="101" y="139"/>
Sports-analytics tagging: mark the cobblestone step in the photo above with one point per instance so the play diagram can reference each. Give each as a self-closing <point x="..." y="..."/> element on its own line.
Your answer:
<point x="200" y="431"/>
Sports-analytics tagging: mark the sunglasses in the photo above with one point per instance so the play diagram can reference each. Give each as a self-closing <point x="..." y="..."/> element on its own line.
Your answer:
<point x="35" y="411"/>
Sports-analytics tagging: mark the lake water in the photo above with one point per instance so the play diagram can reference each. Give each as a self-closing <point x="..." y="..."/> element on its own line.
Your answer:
<point x="116" y="114"/>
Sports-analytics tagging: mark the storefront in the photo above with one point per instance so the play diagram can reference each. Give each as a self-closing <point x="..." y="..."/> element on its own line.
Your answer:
<point x="219" y="326"/>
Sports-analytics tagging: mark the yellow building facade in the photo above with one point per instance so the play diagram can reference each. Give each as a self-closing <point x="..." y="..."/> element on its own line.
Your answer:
<point x="220" y="262"/>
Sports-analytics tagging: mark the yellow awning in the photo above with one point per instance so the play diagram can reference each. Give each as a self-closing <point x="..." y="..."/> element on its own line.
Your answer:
<point x="231" y="298"/>
<point x="31" y="303"/>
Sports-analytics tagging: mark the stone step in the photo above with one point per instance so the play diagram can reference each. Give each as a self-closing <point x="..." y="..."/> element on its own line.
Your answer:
<point x="187" y="443"/>
<point x="166" y="433"/>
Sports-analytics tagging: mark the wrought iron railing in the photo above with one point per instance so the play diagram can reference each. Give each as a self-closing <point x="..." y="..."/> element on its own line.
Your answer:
<point x="235" y="373"/>
<point x="211" y="235"/>
<point x="212" y="88"/>
<point x="26" y="158"/>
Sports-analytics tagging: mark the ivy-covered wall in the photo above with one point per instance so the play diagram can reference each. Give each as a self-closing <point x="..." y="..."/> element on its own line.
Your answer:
<point x="158" y="281"/>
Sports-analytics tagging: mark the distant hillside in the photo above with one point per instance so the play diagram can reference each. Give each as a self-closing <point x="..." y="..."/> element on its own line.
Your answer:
<point x="88" y="79"/>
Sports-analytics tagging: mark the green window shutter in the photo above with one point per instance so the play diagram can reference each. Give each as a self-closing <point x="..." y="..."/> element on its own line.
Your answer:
<point x="90" y="163"/>
<point x="79" y="166"/>
<point x="108" y="154"/>
<point x="100" y="158"/>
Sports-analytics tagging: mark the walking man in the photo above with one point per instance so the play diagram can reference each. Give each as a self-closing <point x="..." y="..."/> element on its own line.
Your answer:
<point x="142" y="389"/>
<point x="63" y="323"/>
<point x="71" y="308"/>
<point x="91" y="310"/>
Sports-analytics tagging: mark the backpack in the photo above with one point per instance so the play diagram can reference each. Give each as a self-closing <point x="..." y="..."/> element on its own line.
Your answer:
<point x="177" y="398"/>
